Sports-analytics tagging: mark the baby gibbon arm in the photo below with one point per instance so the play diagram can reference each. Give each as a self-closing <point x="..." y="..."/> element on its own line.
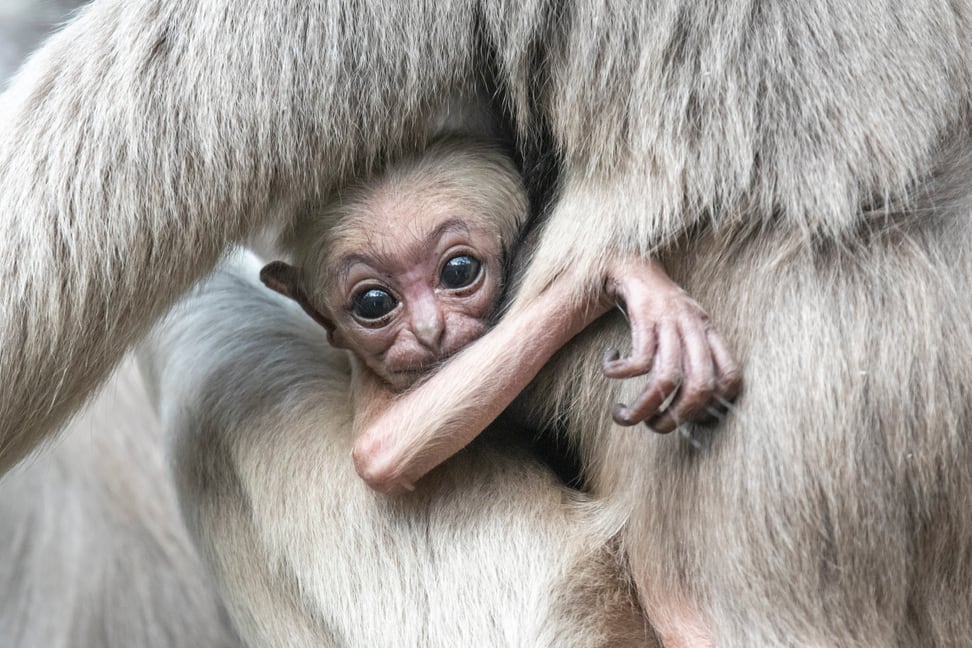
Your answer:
<point x="671" y="334"/>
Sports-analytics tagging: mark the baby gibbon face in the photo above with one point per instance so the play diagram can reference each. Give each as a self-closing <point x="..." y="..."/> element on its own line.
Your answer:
<point x="404" y="285"/>
<point x="416" y="293"/>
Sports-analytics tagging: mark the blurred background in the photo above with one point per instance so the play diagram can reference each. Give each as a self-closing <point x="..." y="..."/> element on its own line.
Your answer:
<point x="24" y="24"/>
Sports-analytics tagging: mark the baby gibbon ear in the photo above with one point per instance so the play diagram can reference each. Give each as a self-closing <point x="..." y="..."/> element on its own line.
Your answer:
<point x="284" y="278"/>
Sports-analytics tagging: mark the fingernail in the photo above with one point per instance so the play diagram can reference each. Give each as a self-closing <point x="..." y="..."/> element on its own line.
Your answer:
<point x="622" y="415"/>
<point x="656" y="430"/>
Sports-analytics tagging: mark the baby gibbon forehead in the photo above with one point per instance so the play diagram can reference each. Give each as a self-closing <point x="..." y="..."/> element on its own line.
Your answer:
<point x="455" y="178"/>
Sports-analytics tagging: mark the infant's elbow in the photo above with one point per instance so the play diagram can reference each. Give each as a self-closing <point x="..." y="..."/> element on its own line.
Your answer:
<point x="376" y="469"/>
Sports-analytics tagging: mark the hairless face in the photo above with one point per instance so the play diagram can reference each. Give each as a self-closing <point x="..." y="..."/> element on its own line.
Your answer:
<point x="408" y="281"/>
<point x="414" y="294"/>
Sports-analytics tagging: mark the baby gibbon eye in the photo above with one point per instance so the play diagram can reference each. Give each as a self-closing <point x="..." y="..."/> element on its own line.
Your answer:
<point x="373" y="304"/>
<point x="460" y="271"/>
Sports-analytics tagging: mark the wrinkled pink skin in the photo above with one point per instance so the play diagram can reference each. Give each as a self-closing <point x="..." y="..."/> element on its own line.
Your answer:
<point x="431" y="321"/>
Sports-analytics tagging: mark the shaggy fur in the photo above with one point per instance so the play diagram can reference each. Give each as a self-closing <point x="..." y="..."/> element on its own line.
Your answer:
<point x="802" y="168"/>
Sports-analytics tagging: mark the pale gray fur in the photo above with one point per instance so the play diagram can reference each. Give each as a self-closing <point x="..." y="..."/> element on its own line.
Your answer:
<point x="833" y="506"/>
<point x="492" y="551"/>
<point x="23" y="23"/>
<point x="93" y="550"/>
<point x="788" y="159"/>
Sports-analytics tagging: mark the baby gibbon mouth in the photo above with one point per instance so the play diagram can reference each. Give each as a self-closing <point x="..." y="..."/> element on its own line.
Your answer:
<point x="407" y="379"/>
<point x="426" y="366"/>
<point x="419" y="372"/>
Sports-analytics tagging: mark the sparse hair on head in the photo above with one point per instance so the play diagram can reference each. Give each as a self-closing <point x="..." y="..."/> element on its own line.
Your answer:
<point x="460" y="169"/>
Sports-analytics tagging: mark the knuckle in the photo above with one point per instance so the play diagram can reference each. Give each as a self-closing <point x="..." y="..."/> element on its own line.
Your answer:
<point x="662" y="425"/>
<point x="695" y="400"/>
<point x="667" y="384"/>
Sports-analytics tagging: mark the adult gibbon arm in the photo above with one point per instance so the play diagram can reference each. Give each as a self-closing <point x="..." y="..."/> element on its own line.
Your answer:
<point x="145" y="137"/>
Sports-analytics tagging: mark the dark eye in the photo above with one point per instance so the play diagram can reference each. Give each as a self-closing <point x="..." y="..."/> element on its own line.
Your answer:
<point x="460" y="271"/>
<point x="373" y="304"/>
